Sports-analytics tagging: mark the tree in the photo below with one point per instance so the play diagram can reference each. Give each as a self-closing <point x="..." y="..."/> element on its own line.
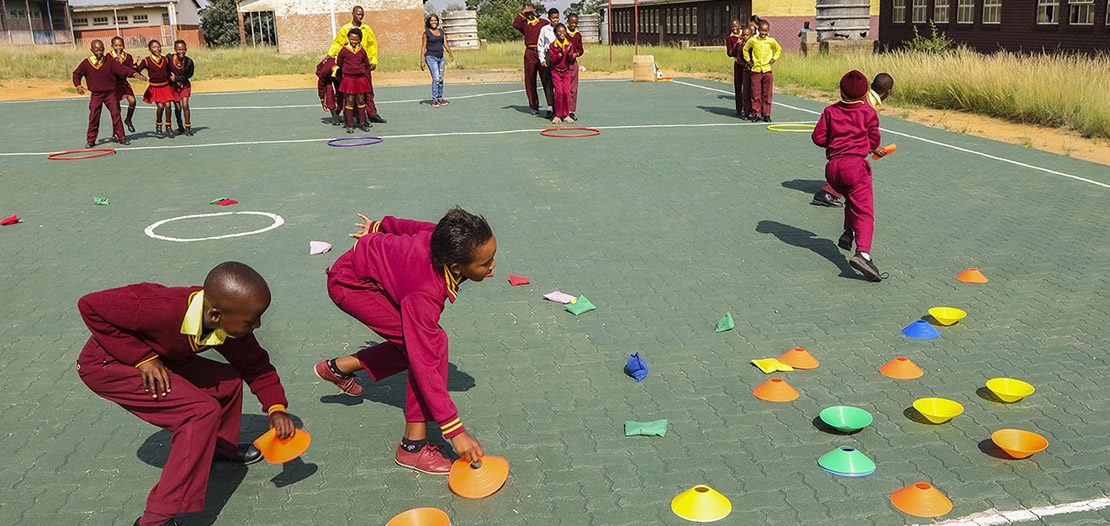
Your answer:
<point x="587" y="7"/>
<point x="220" y="23"/>
<point x="495" y="18"/>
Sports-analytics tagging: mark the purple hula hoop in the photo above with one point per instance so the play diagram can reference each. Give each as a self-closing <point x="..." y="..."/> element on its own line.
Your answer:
<point x="367" y="141"/>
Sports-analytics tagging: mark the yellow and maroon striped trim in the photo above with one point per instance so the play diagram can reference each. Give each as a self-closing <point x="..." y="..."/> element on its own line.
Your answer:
<point x="451" y="426"/>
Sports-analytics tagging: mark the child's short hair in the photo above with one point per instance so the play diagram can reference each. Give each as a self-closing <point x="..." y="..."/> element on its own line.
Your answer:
<point x="182" y="42"/>
<point x="557" y="26"/>
<point x="882" y="83"/>
<point x="457" y="235"/>
<point x="152" y="42"/>
<point x="355" y="31"/>
<point x="571" y="15"/>
<point x="115" y="38"/>
<point x="552" y="11"/>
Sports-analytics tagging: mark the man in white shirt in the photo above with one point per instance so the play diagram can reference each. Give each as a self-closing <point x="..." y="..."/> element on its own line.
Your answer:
<point x="546" y="38"/>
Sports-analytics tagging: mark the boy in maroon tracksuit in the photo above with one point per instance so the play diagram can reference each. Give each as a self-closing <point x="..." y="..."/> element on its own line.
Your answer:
<point x="530" y="25"/>
<point x="562" y="59"/>
<point x="143" y="356"/>
<point x="327" y="87"/>
<point x="103" y="78"/>
<point x="575" y="36"/>
<point x="849" y="131"/>
<point x="734" y="45"/>
<point x="395" y="281"/>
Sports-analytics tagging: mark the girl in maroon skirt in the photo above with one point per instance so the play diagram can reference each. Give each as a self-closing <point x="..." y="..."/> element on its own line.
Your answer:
<point x="123" y="88"/>
<point x="181" y="70"/>
<point x="159" y="91"/>
<point x="354" y="63"/>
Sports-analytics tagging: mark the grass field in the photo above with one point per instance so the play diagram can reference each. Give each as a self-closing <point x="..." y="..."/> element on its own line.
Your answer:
<point x="1025" y="89"/>
<point x="674" y="215"/>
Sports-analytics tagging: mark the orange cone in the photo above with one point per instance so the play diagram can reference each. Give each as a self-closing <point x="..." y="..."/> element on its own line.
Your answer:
<point x="921" y="499"/>
<point x="971" y="275"/>
<point x="420" y="517"/>
<point x="901" y="368"/>
<point x="477" y="480"/>
<point x="277" y="451"/>
<point x="776" y="390"/>
<point x="799" y="358"/>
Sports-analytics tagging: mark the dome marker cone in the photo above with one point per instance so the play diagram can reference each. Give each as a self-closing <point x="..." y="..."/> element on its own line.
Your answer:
<point x="701" y="503"/>
<point x="846" y="461"/>
<point x="972" y="275"/>
<point x="1018" y="443"/>
<point x="420" y="517"/>
<point x="799" y="358"/>
<point x="278" y="451"/>
<point x="921" y="330"/>
<point x="845" y="418"/>
<point x="938" y="410"/>
<point x="776" y="390"/>
<point x="947" y="315"/>
<point x="901" y="368"/>
<point x="1009" y="390"/>
<point x="921" y="499"/>
<point x="477" y="480"/>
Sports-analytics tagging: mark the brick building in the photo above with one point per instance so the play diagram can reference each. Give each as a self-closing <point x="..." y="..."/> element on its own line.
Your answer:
<point x="310" y="25"/>
<point x="990" y="25"/>
<point x="137" y="21"/>
<point x="705" y="22"/>
<point x="40" y="22"/>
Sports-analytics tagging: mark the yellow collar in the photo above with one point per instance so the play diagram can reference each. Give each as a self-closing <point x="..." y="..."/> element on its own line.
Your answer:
<point x="572" y="33"/>
<point x="94" y="62"/>
<point x="736" y="34"/>
<point x="452" y="283"/>
<point x="874" y="98"/>
<point x="562" y="43"/>
<point x="193" y="324"/>
<point x="533" y="21"/>
<point x="156" y="60"/>
<point x="354" y="49"/>
<point x="118" y="56"/>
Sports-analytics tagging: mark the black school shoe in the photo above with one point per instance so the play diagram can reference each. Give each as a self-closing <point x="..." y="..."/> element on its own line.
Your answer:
<point x="247" y="454"/>
<point x="573" y="116"/>
<point x="377" y="119"/>
<point x="124" y="141"/>
<point x="90" y="144"/>
<point x="866" y="267"/>
<point x="550" y="115"/>
<point x="130" y="127"/>
<point x="766" y="118"/>
<point x="846" y="240"/>
<point x="170" y="522"/>
<point x="535" y="111"/>
<point x="823" y="198"/>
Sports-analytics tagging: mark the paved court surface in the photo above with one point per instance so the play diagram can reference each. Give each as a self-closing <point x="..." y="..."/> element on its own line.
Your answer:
<point x="674" y="215"/>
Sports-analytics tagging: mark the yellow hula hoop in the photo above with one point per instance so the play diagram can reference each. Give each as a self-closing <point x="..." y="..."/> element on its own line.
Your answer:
<point x="792" y="127"/>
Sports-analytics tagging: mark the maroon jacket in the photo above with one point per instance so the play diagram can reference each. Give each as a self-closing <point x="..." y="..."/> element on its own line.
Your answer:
<point x="847" y="128"/>
<point x="128" y="61"/>
<point x="576" y="38"/>
<point x="397" y="258"/>
<point x="325" y="83"/>
<point x="132" y="323"/>
<point x="531" y="32"/>
<point x="104" y="77"/>
<point x="157" y="70"/>
<point x="353" y="63"/>
<point x="561" y="58"/>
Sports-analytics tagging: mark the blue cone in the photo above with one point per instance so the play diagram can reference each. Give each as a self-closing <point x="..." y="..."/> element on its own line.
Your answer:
<point x="636" y="367"/>
<point x="921" y="330"/>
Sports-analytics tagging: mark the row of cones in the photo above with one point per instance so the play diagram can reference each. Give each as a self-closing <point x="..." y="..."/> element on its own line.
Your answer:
<point x="778" y="390"/>
<point x="702" y="503"/>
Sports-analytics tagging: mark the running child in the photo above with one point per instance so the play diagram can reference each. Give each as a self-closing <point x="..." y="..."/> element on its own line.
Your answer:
<point x="355" y="65"/>
<point x="123" y="87"/>
<point x="761" y="52"/>
<point x="159" y="91"/>
<point x="181" y="70"/>
<point x="102" y="76"/>
<point x="396" y="281"/>
<point x="575" y="37"/>
<point x="881" y="86"/>
<point x="143" y="355"/>
<point x="849" y="131"/>
<point x="562" y="60"/>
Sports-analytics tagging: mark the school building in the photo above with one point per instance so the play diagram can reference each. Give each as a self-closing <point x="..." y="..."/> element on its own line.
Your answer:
<point x="137" y="21"/>
<point x="41" y="22"/>
<point x="706" y="22"/>
<point x="989" y="25"/>
<point x="311" y="25"/>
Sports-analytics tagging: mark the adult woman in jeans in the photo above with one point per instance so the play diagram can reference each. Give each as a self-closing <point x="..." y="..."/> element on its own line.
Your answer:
<point x="431" y="49"/>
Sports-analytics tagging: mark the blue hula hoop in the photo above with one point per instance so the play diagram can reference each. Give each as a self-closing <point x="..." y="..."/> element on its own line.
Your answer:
<point x="368" y="140"/>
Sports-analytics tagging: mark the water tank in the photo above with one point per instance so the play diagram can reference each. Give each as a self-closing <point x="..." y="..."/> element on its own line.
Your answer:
<point x="461" y="29"/>
<point x="843" y="19"/>
<point x="590" y="25"/>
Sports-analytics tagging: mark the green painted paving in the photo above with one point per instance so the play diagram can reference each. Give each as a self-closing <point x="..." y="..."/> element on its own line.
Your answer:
<point x="663" y="228"/>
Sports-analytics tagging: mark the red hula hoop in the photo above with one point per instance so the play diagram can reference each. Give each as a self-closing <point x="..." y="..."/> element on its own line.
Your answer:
<point x="92" y="154"/>
<point x="591" y="132"/>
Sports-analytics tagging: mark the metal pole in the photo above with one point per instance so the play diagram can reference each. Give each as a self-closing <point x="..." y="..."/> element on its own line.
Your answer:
<point x="4" y="15"/>
<point x="636" y="25"/>
<point x="31" y="30"/>
<point x="242" y="30"/>
<point x="609" y="28"/>
<point x="115" y="19"/>
<point x="69" y="22"/>
<point x="50" y="22"/>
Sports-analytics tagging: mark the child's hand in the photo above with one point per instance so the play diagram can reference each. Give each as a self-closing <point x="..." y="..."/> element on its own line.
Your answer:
<point x="156" y="377"/>
<point x="421" y="65"/>
<point x="373" y="67"/>
<point x="282" y="424"/>
<point x="364" y="226"/>
<point x="879" y="152"/>
<point x="80" y="90"/>
<point x="141" y="77"/>
<point x="467" y="447"/>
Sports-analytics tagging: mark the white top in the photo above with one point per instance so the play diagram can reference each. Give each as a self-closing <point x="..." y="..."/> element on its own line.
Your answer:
<point x="544" y="41"/>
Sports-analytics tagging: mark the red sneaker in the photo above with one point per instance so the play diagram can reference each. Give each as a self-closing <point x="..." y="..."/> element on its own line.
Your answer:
<point x="347" y="385"/>
<point x="427" y="459"/>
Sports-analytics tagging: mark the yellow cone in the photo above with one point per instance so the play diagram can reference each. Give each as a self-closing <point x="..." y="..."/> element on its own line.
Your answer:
<point x="701" y="503"/>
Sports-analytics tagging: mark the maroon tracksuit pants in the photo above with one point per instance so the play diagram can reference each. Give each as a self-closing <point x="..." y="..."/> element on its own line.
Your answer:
<point x="532" y="69"/>
<point x="742" y="87"/>
<point x="850" y="175"/>
<point x="202" y="410"/>
<point x="563" y="83"/>
<point x="763" y="87"/>
<point x="574" y="88"/>
<point x="97" y="101"/>
<point x="377" y="312"/>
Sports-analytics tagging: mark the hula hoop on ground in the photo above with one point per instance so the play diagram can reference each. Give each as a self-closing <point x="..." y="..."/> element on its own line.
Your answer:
<point x="368" y="140"/>
<point x="590" y="132"/>
<point x="91" y="154"/>
<point x="792" y="127"/>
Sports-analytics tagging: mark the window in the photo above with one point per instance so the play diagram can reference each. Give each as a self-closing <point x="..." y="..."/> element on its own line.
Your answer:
<point x="139" y="19"/>
<point x="965" y="12"/>
<point x="898" y="12"/>
<point x="992" y="11"/>
<point x="940" y="12"/>
<point x="694" y="21"/>
<point x="685" y="20"/>
<point x="1048" y="11"/>
<point x="80" y="21"/>
<point x="920" y="11"/>
<point x="122" y="19"/>
<point x="1082" y="12"/>
<point x="100" y="20"/>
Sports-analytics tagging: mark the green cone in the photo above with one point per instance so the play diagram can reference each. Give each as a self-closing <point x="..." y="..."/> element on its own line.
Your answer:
<point x="726" y="323"/>
<point x="845" y="418"/>
<point x="846" y="462"/>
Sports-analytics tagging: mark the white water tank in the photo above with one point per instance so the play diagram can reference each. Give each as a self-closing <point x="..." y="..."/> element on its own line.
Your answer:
<point x="461" y="29"/>
<point x="843" y="19"/>
<point x="590" y="26"/>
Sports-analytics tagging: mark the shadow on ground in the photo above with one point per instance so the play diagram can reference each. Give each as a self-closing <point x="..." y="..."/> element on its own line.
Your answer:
<point x="798" y="237"/>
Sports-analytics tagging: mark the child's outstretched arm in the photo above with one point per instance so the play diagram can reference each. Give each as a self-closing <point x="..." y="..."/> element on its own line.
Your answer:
<point x="391" y="225"/>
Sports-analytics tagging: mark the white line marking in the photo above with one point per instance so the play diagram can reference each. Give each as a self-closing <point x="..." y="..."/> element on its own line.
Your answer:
<point x="278" y="221"/>
<point x="993" y="517"/>
<point x="922" y="139"/>
<point x="121" y="149"/>
<point x="286" y="106"/>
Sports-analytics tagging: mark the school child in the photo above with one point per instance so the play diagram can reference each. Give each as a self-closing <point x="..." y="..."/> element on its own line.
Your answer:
<point x="849" y="131"/>
<point x="543" y="43"/>
<point x="355" y="65"/>
<point x="122" y="86"/>
<point x="761" y="52"/>
<point x="159" y="91"/>
<point x="562" y="58"/>
<point x="881" y="86"/>
<point x="369" y="43"/>
<point x="143" y="355"/>
<point x="181" y="70"/>
<point x="575" y="37"/>
<point x="327" y="87"/>
<point x="102" y="75"/>
<point x="741" y="75"/>
<point x="395" y="281"/>
<point x="529" y="25"/>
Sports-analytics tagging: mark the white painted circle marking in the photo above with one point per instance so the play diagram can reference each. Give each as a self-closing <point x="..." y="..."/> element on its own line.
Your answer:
<point x="278" y="221"/>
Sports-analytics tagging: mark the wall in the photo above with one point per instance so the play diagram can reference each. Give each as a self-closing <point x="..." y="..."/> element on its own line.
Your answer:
<point x="1018" y="30"/>
<point x="788" y="16"/>
<point x="136" y="37"/>
<point x="306" y="25"/>
<point x="136" y="34"/>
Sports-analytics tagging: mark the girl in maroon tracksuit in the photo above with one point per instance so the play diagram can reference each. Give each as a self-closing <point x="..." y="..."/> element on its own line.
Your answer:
<point x="562" y="59"/>
<point x="849" y="131"/>
<point x="396" y="281"/>
<point x="159" y="91"/>
<point x="355" y="65"/>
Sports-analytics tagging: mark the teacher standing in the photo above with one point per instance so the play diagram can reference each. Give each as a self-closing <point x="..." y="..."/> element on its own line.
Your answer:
<point x="432" y="47"/>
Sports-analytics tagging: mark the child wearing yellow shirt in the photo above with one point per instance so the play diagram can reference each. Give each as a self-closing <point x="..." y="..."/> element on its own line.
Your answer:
<point x="761" y="52"/>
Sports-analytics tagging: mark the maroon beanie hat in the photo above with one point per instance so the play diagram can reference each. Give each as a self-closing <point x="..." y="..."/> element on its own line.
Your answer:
<point x="853" y="85"/>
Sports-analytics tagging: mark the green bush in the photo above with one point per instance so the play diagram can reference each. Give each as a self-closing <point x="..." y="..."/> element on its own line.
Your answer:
<point x="937" y="44"/>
